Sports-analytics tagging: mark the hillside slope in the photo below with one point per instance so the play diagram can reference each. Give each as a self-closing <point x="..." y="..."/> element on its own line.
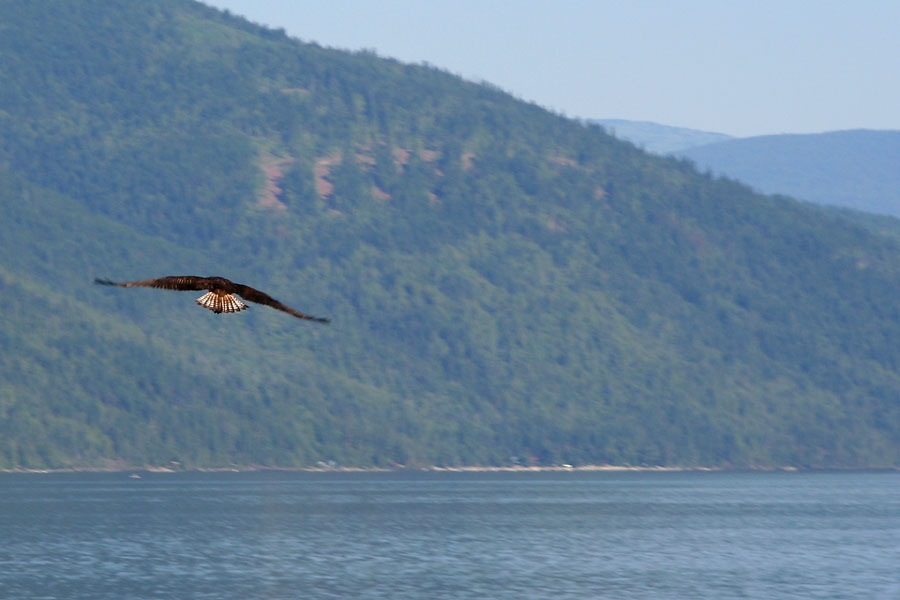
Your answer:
<point x="503" y="282"/>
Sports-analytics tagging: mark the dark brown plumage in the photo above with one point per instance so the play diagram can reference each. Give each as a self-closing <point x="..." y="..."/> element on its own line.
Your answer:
<point x="220" y="297"/>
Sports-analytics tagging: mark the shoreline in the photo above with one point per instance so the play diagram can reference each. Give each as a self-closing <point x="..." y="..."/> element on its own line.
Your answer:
<point x="432" y="468"/>
<point x="438" y="469"/>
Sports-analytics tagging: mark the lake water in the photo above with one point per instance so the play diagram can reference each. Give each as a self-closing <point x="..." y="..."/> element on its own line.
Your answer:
<point x="623" y="535"/>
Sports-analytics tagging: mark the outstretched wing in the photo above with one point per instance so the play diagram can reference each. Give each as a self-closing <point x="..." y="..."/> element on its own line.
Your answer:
<point x="187" y="282"/>
<point x="248" y="293"/>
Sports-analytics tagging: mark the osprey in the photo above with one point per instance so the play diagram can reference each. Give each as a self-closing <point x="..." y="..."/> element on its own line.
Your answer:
<point x="220" y="297"/>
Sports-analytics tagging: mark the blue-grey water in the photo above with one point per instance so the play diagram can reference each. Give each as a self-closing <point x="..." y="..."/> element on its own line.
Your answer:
<point x="450" y="535"/>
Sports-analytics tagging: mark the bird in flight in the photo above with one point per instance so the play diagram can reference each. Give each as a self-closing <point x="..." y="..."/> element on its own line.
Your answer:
<point x="221" y="294"/>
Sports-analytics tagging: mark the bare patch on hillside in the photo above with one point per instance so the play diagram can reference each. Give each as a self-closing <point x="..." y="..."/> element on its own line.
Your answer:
<point x="401" y="156"/>
<point x="321" y="170"/>
<point x="273" y="169"/>
<point x="562" y="160"/>
<point x="366" y="161"/>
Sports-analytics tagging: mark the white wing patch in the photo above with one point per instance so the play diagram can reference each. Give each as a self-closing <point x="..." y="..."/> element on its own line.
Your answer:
<point x="219" y="303"/>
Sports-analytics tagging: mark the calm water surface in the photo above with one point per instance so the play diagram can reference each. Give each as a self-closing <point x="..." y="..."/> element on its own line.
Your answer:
<point x="450" y="535"/>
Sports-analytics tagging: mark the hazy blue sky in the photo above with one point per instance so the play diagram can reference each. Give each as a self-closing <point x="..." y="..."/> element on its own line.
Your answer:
<point x="742" y="67"/>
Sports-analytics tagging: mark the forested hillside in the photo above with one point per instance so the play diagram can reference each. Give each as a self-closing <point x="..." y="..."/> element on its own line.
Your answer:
<point x="502" y="282"/>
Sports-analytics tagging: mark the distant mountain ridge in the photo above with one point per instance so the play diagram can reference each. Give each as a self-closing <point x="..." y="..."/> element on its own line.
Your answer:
<point x="850" y="169"/>
<point x="657" y="138"/>
<point x="857" y="169"/>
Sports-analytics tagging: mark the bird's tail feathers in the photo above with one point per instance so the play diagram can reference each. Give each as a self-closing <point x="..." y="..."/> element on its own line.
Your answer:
<point x="219" y="303"/>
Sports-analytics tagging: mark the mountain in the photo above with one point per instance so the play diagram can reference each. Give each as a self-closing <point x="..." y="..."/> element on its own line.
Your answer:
<point x="502" y="281"/>
<point x="853" y="169"/>
<point x="660" y="139"/>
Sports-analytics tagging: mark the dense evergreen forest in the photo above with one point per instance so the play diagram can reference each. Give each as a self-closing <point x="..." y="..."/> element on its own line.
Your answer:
<point x="505" y="284"/>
